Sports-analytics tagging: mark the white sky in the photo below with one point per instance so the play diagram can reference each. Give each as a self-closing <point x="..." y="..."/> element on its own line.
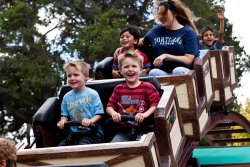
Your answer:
<point x="238" y="11"/>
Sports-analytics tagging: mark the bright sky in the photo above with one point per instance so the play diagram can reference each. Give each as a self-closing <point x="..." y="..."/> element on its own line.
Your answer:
<point x="237" y="11"/>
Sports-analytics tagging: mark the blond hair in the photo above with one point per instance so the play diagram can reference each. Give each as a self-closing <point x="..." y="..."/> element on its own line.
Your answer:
<point x="130" y="54"/>
<point x="8" y="151"/>
<point x="79" y="65"/>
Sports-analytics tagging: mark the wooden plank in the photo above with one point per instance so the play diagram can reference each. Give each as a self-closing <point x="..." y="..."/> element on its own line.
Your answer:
<point x="227" y="131"/>
<point x="114" y="153"/>
<point x="189" y="102"/>
<point x="202" y="68"/>
<point x="230" y="140"/>
<point x="220" y="67"/>
<point x="169" y="130"/>
<point x="230" y="52"/>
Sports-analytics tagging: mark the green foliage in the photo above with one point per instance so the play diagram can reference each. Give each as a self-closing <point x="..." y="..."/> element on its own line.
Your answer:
<point x="90" y="30"/>
<point x="245" y="111"/>
<point x="97" y="42"/>
<point x="32" y="71"/>
<point x="29" y="72"/>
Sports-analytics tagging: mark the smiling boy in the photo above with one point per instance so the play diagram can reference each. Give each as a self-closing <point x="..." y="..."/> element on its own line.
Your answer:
<point x="134" y="97"/>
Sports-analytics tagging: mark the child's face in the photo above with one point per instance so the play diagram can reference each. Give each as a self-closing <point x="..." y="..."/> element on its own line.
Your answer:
<point x="208" y="38"/>
<point x="127" y="40"/>
<point x="131" y="70"/>
<point x="75" y="78"/>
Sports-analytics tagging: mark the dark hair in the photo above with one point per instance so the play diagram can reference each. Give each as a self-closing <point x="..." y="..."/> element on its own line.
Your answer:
<point x="205" y="29"/>
<point x="133" y="31"/>
<point x="182" y="12"/>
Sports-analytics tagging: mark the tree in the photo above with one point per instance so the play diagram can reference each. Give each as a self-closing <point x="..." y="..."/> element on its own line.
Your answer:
<point x="29" y="72"/>
<point x="90" y="29"/>
<point x="31" y="69"/>
<point x="245" y="111"/>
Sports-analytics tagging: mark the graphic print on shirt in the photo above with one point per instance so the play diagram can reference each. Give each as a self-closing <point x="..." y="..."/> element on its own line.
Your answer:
<point x="134" y="105"/>
<point x="75" y="107"/>
<point x="77" y="115"/>
<point x="168" y="41"/>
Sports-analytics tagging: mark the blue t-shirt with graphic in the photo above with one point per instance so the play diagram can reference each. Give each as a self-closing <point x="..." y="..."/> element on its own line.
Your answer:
<point x="175" y="42"/>
<point x="83" y="104"/>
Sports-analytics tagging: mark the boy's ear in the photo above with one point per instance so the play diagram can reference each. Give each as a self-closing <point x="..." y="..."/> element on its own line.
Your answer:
<point x="87" y="76"/>
<point x="136" y="41"/>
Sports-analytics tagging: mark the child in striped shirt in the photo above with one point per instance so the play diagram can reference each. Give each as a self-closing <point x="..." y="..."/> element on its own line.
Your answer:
<point x="134" y="97"/>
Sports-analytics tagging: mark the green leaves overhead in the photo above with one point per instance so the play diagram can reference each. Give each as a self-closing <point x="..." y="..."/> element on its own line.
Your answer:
<point x="31" y="70"/>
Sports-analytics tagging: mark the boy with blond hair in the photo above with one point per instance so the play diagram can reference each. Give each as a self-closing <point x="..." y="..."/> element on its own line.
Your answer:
<point x="134" y="97"/>
<point x="81" y="104"/>
<point x="7" y="153"/>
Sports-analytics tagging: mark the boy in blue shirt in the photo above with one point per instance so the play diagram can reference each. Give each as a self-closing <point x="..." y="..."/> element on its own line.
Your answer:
<point x="81" y="104"/>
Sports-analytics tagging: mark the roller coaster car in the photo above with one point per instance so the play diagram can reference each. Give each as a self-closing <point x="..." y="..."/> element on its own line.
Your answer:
<point x="230" y="53"/>
<point x="194" y="103"/>
<point x="224" y="75"/>
<point x="44" y="121"/>
<point x="194" y="115"/>
<point x="162" y="148"/>
<point x="182" y="118"/>
<point x="215" y="71"/>
<point x="208" y="89"/>
<point x="203" y="72"/>
<point x="194" y="96"/>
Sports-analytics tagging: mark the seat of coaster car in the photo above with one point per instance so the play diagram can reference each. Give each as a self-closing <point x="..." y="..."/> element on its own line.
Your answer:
<point x="44" y="121"/>
<point x="103" y="69"/>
